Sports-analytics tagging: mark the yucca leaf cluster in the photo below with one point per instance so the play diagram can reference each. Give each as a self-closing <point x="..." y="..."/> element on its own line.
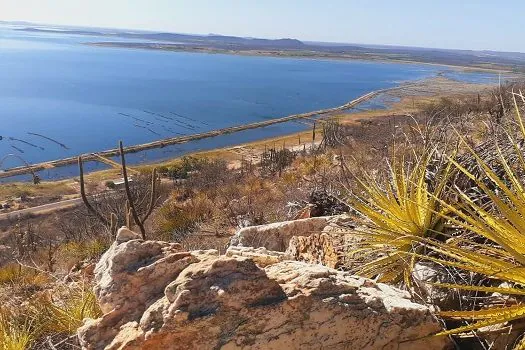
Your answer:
<point x="409" y="220"/>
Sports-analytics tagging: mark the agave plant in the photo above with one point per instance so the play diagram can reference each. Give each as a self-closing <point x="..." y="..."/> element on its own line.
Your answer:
<point x="396" y="216"/>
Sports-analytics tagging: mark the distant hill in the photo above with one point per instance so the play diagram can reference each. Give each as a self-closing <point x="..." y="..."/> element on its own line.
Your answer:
<point x="213" y="40"/>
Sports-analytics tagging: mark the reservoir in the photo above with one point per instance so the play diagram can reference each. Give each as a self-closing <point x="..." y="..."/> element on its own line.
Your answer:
<point x="60" y="97"/>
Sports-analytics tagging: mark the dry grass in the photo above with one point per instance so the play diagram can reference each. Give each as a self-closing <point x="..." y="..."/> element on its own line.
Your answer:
<point x="15" y="334"/>
<point x="18" y="275"/>
<point x="60" y="312"/>
<point x="65" y="315"/>
<point x="88" y="250"/>
<point x="20" y="189"/>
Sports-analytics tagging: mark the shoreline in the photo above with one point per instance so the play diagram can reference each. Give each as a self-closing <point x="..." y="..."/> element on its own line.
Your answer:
<point x="405" y="88"/>
<point x="290" y="55"/>
<point x="407" y="100"/>
<point x="103" y="156"/>
<point x="398" y="103"/>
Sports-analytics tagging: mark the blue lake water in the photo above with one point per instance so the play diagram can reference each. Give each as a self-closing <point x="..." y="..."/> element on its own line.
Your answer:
<point x="87" y="98"/>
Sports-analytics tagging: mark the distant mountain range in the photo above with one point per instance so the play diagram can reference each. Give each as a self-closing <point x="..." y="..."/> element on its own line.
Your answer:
<point x="286" y="47"/>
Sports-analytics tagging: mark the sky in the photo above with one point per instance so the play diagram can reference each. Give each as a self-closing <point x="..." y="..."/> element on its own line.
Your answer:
<point x="458" y="24"/>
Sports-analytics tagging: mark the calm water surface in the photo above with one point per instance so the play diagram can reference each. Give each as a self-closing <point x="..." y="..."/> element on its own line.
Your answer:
<point x="87" y="98"/>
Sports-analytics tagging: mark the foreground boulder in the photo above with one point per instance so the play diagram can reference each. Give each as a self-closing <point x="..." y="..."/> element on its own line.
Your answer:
<point x="155" y="296"/>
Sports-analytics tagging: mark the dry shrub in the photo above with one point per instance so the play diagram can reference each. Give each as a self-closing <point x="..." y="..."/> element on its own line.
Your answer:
<point x="176" y="220"/>
<point x="18" y="275"/>
<point x="73" y="252"/>
<point x="313" y="165"/>
<point x="250" y="201"/>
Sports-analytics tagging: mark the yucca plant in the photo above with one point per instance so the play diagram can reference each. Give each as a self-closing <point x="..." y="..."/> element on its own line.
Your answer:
<point x="501" y="255"/>
<point x="66" y="316"/>
<point x="491" y="242"/>
<point x="396" y="215"/>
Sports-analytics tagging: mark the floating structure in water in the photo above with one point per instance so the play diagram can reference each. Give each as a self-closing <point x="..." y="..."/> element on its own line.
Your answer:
<point x="27" y="143"/>
<point x="136" y="118"/>
<point x="50" y="139"/>
<point x="18" y="149"/>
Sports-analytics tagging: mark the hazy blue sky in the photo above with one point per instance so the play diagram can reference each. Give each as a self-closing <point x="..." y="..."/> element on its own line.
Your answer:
<point x="481" y="24"/>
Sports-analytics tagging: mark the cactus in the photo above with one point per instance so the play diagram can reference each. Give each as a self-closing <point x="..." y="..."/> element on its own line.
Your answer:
<point x="131" y="216"/>
<point x="88" y="205"/>
<point x="139" y="221"/>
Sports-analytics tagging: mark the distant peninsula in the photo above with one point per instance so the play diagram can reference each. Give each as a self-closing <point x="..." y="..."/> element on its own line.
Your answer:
<point x="288" y="47"/>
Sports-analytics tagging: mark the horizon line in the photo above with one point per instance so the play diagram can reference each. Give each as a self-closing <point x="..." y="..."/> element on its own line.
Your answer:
<point x="22" y="22"/>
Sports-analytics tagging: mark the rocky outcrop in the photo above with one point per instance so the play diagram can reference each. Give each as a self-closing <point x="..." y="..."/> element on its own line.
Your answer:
<point x="330" y="247"/>
<point x="261" y="256"/>
<point x="155" y="296"/>
<point x="277" y="236"/>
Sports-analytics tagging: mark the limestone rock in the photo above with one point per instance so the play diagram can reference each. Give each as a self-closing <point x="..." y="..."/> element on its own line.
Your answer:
<point x="130" y="276"/>
<point x="424" y="276"/>
<point x="261" y="256"/>
<point x="322" y="248"/>
<point x="331" y="247"/>
<point x="154" y="296"/>
<point x="276" y="236"/>
<point x="124" y="234"/>
<point x="84" y="269"/>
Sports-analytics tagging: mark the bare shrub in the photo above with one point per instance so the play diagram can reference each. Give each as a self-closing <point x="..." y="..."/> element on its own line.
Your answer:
<point x="176" y="220"/>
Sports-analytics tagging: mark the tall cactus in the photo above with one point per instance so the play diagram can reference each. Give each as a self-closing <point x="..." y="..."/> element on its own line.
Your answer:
<point x="88" y="205"/>
<point x="131" y="214"/>
<point x="139" y="221"/>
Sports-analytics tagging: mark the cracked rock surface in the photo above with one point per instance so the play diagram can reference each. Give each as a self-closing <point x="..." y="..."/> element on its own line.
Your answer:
<point x="156" y="296"/>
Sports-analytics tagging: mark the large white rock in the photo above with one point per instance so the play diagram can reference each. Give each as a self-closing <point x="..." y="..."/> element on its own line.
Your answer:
<point x="276" y="236"/>
<point x="154" y="296"/>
